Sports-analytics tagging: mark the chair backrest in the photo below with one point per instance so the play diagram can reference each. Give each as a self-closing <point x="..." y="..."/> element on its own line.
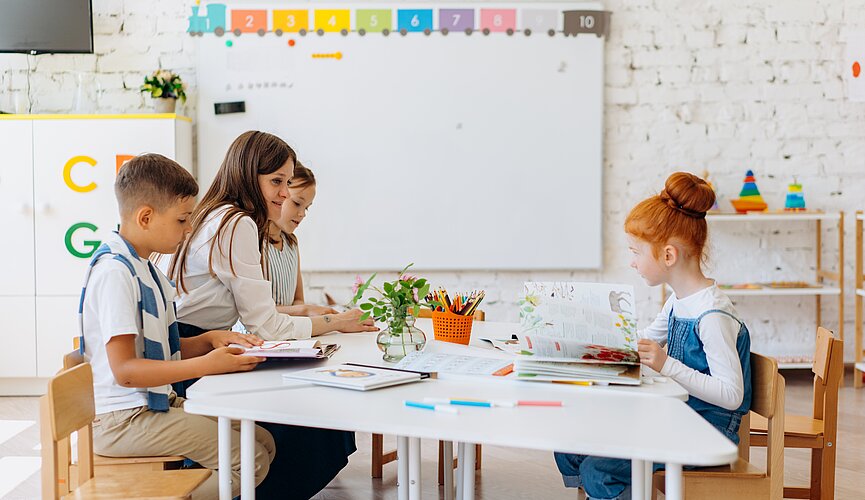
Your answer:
<point x="427" y="313"/>
<point x="828" y="369"/>
<point x="72" y="359"/>
<point x="66" y="408"/>
<point x="767" y="400"/>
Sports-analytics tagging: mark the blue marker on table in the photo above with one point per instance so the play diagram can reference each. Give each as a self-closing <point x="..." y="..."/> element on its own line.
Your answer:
<point x="434" y="407"/>
<point x="459" y="402"/>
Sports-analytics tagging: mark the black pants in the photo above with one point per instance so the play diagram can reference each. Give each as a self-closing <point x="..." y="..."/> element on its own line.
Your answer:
<point x="307" y="459"/>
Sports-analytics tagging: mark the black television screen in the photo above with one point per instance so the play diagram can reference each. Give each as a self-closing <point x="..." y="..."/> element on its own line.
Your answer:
<point x="46" y="26"/>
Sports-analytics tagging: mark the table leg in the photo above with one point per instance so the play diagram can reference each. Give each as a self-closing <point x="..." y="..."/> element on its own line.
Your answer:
<point x="247" y="459"/>
<point x="414" y="469"/>
<point x="673" y="484"/>
<point x="402" y="460"/>
<point x="448" y="467"/>
<point x="224" y="448"/>
<point x="461" y="462"/>
<point x="469" y="472"/>
<point x="648" y="478"/>
<point x="638" y="480"/>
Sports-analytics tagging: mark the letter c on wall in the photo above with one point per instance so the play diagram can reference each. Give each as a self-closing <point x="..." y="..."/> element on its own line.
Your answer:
<point x="67" y="173"/>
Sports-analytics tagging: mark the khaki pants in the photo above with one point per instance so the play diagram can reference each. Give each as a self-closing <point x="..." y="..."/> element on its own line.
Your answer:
<point x="141" y="432"/>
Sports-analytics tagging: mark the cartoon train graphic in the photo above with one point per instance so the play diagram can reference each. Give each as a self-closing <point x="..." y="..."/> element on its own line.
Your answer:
<point x="402" y="21"/>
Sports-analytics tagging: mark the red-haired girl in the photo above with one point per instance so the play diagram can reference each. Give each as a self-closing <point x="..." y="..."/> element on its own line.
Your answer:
<point x="708" y="348"/>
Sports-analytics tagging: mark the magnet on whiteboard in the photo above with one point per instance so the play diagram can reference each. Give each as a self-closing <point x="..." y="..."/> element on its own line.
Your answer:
<point x="224" y="108"/>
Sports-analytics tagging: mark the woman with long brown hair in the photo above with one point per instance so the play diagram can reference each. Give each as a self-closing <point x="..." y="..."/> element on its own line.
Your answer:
<point x="221" y="272"/>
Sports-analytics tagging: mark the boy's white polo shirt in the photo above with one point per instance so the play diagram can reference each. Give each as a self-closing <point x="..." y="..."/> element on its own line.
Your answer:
<point x="110" y="309"/>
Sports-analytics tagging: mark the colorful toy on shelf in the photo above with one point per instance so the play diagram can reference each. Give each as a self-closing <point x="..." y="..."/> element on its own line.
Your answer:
<point x="795" y="201"/>
<point x="750" y="199"/>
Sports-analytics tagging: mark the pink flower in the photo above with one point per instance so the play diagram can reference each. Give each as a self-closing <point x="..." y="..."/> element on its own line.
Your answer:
<point x="407" y="277"/>
<point x="358" y="281"/>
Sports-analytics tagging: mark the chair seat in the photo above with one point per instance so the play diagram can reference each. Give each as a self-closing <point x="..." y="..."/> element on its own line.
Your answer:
<point x="794" y="425"/>
<point x="103" y="460"/>
<point x="741" y="469"/>
<point x="156" y="485"/>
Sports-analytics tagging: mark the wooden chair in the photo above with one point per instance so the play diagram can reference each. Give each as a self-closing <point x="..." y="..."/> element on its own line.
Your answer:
<point x="742" y="480"/>
<point x="380" y="457"/>
<point x="68" y="407"/>
<point x="108" y="465"/>
<point x="817" y="432"/>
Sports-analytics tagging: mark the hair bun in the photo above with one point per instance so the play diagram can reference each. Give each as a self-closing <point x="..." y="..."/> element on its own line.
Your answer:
<point x="688" y="194"/>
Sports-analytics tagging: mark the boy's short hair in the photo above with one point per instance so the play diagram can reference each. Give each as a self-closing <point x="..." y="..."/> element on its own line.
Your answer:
<point x="154" y="180"/>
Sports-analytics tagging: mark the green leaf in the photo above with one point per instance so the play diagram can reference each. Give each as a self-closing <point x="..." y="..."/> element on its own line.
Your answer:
<point x="364" y="316"/>
<point x="378" y="311"/>
<point x="420" y="283"/>
<point x="423" y="291"/>
<point x="388" y="287"/>
<point x="365" y="306"/>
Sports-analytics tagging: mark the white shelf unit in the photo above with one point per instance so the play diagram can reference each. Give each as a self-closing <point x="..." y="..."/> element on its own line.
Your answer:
<point x="57" y="200"/>
<point x="817" y="290"/>
<point x="859" y="356"/>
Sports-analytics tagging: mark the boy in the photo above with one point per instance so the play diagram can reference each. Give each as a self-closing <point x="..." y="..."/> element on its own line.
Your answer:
<point x="130" y="337"/>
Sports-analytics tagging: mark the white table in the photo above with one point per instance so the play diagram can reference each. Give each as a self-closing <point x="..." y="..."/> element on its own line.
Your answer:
<point x="361" y="348"/>
<point x="602" y="423"/>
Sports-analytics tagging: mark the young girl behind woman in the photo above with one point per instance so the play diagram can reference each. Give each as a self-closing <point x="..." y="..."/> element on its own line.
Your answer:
<point x="708" y="347"/>
<point x="283" y="256"/>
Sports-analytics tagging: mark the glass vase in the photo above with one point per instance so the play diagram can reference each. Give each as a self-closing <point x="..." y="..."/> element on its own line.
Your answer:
<point x="400" y="337"/>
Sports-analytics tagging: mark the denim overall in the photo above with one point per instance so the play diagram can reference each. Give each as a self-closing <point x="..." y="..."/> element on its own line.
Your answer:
<point x="610" y="478"/>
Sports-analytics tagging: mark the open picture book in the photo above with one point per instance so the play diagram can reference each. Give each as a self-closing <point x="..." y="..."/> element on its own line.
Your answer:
<point x="578" y="333"/>
<point x="291" y="349"/>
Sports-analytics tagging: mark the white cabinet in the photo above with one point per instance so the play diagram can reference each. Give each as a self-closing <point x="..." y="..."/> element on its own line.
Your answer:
<point x="59" y="198"/>
<point x="18" y="356"/>
<point x="16" y="207"/>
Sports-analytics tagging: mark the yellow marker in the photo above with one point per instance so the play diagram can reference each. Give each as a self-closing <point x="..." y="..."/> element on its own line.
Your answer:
<point x="67" y="174"/>
<point x="573" y="382"/>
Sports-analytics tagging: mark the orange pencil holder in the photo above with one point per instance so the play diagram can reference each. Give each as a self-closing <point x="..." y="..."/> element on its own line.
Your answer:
<point x="450" y="327"/>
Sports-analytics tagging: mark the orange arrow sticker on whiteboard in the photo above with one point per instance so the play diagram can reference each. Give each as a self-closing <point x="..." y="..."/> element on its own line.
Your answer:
<point x="334" y="55"/>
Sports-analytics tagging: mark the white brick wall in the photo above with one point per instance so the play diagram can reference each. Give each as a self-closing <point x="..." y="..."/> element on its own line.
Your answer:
<point x="722" y="86"/>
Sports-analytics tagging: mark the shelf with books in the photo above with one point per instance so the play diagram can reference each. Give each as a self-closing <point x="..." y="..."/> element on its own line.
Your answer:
<point x="826" y="283"/>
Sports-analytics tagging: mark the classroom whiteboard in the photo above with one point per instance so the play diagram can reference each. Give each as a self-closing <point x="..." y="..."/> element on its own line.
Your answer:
<point x="453" y="151"/>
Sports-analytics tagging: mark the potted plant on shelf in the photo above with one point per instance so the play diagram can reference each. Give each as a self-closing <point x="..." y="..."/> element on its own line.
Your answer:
<point x="165" y="87"/>
<point x="397" y="305"/>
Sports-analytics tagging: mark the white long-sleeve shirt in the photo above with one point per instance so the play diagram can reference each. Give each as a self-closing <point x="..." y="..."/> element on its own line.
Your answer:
<point x="218" y="302"/>
<point x="724" y="385"/>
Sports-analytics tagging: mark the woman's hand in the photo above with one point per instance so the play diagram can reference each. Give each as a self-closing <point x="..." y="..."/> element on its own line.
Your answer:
<point x="651" y="354"/>
<point x="222" y="338"/>
<point x="349" y="322"/>
<point x="316" y="310"/>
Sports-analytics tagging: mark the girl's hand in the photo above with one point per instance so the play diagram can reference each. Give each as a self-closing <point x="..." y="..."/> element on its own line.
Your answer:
<point x="222" y="338"/>
<point x="651" y="354"/>
<point x="230" y="359"/>
<point x="349" y="322"/>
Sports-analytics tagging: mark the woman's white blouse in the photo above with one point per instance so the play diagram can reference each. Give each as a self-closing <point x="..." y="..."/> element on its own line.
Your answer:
<point x="218" y="300"/>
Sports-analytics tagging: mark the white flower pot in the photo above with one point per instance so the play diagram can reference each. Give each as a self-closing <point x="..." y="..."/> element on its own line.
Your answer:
<point x="164" y="105"/>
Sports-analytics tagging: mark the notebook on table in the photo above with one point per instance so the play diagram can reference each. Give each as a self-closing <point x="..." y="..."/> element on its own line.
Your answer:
<point x="359" y="378"/>
<point x="306" y="349"/>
